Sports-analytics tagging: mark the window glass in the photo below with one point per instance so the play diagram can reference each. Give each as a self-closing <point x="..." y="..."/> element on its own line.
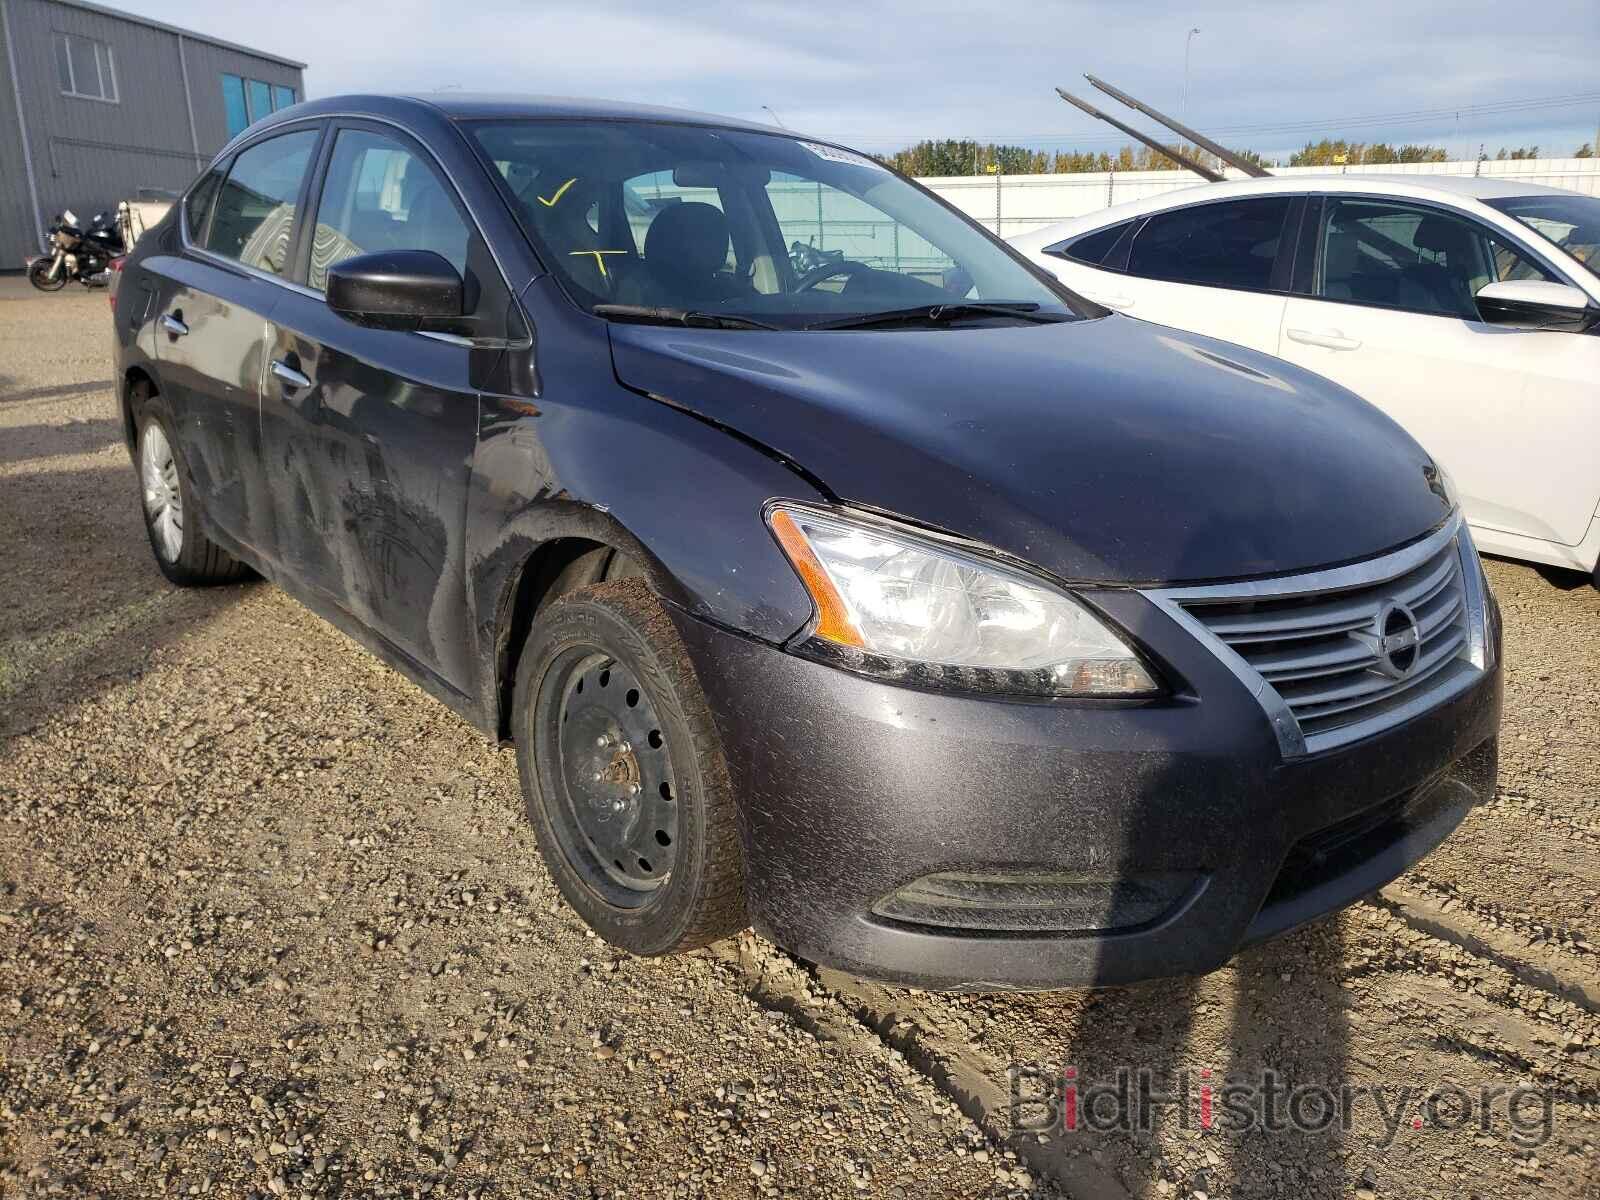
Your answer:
<point x="378" y="195"/>
<point x="63" y="63"/>
<point x="1091" y="248"/>
<point x="824" y="225"/>
<point x="260" y="98"/>
<point x="1231" y="245"/>
<point x="1569" y="222"/>
<point x="198" y="204"/>
<point x="254" y="217"/>
<point x="756" y="225"/>
<point x="1419" y="259"/>
<point x="84" y="67"/>
<point x="282" y="97"/>
<point x="233" y="102"/>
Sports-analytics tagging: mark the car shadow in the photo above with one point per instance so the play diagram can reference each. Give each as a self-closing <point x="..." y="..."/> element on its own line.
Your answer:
<point x="82" y="604"/>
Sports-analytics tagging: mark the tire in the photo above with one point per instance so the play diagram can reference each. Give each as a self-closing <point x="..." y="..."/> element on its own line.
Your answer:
<point x="178" y="540"/>
<point x="656" y="794"/>
<point x="39" y="275"/>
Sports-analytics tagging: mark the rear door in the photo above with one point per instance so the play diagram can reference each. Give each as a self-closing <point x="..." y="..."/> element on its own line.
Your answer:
<point x="1511" y="413"/>
<point x="213" y="302"/>
<point x="1219" y="268"/>
<point x="369" y="434"/>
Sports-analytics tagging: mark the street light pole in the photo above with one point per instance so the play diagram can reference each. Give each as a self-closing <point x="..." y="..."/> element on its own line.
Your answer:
<point x="1187" y="42"/>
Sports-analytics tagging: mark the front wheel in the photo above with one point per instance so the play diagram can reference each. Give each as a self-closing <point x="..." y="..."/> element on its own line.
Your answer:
<point x="623" y="774"/>
<point x="39" y="275"/>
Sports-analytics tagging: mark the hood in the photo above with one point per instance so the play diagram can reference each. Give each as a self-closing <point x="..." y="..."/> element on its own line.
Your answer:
<point x="1107" y="450"/>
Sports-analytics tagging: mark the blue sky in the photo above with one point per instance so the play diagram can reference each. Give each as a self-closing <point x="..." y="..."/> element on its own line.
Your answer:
<point x="881" y="75"/>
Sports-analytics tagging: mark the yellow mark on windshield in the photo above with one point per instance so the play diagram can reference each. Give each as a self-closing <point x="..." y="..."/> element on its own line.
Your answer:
<point x="599" y="257"/>
<point x="560" y="192"/>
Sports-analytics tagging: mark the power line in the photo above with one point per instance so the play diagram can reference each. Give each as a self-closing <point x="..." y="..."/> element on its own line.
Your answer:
<point x="1326" y="126"/>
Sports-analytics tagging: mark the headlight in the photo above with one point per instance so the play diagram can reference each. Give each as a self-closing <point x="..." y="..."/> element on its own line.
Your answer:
<point x="895" y="603"/>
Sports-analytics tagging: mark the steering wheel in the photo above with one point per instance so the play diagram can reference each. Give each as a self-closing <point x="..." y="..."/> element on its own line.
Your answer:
<point x="816" y="275"/>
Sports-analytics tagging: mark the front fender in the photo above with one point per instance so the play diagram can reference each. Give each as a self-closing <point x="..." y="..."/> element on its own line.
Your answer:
<point x="680" y="496"/>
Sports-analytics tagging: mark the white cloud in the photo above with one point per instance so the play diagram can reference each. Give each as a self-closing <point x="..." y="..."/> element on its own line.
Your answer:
<point x="882" y="74"/>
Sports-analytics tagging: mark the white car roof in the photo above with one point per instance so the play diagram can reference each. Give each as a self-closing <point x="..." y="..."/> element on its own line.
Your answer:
<point x="1448" y="188"/>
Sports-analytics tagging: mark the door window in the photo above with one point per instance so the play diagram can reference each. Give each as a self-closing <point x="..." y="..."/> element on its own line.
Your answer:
<point x="197" y="206"/>
<point x="379" y="195"/>
<point x="254" y="216"/>
<point x="1412" y="257"/>
<point x="1233" y="244"/>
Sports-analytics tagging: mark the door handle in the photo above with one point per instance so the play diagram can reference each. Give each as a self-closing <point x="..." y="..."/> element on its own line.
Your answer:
<point x="1116" y="302"/>
<point x="173" y="325"/>
<point x="289" y="376"/>
<point x="1328" y="339"/>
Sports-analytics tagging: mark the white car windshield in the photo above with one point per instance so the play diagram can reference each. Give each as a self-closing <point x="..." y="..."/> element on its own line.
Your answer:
<point x="1571" y="222"/>
<point x="746" y="228"/>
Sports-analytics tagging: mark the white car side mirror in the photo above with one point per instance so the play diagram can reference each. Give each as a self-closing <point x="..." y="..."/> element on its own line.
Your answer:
<point x="1537" y="304"/>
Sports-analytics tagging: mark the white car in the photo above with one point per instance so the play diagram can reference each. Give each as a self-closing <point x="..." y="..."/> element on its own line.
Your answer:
<point x="1466" y="309"/>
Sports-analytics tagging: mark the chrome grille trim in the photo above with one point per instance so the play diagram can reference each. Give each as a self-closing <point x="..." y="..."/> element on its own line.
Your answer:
<point x="1298" y="645"/>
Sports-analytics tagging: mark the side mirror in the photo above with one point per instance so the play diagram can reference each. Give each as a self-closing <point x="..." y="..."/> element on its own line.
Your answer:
<point x="1537" y="304"/>
<point x="410" y="290"/>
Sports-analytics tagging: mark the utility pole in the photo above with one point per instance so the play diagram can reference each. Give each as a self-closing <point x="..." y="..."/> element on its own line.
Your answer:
<point x="1187" y="42"/>
<point x="774" y="116"/>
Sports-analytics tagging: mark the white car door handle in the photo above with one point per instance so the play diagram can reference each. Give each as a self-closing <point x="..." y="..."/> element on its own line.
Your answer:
<point x="1117" y="302"/>
<point x="1329" y="339"/>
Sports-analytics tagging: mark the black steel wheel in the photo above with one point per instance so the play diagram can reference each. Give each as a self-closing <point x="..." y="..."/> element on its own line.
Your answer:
<point x="623" y="774"/>
<point x="614" y="777"/>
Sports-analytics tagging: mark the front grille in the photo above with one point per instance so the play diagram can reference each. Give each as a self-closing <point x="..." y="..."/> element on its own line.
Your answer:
<point x="1341" y="654"/>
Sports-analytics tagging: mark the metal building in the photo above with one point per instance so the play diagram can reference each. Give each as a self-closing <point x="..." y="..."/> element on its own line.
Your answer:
<point x="98" y="105"/>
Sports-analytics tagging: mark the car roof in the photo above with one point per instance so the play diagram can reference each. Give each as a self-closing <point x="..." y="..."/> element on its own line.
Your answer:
<point x="1454" y="188"/>
<point x="465" y="106"/>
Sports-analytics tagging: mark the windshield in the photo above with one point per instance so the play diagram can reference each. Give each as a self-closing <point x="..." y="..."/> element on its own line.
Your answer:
<point x="1571" y="222"/>
<point x="772" y="229"/>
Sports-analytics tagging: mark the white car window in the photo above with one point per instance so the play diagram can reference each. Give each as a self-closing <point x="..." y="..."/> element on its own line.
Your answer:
<point x="1388" y="254"/>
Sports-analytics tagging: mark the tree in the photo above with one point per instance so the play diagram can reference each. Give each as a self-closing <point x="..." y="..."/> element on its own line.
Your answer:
<point x="1584" y="151"/>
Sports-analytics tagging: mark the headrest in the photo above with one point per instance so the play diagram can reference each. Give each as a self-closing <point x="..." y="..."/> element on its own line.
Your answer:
<point x="688" y="240"/>
<point x="1440" y="234"/>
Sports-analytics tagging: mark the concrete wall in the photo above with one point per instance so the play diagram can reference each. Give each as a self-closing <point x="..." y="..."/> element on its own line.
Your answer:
<point x="88" y="154"/>
<point x="1013" y="204"/>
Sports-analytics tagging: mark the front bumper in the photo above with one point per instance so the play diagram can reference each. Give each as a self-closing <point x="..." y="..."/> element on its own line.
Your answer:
<point x="851" y="789"/>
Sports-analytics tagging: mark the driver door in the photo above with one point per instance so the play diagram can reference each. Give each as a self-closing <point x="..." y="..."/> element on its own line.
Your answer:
<point x="1507" y="411"/>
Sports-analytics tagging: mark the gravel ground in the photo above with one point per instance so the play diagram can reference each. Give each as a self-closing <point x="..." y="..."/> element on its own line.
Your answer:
<point x="271" y="924"/>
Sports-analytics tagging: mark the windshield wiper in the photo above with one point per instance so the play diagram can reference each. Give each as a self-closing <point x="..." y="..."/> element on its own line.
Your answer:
<point x="939" y="314"/>
<point x="645" y="315"/>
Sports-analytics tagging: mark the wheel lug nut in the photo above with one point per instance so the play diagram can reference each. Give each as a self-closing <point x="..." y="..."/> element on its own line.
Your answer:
<point x="602" y="741"/>
<point x="633" y="789"/>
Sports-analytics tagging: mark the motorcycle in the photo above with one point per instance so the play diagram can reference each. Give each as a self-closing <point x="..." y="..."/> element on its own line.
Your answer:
<point x="76" y="252"/>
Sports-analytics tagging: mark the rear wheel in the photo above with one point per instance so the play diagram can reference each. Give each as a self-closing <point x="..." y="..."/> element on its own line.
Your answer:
<point x="39" y="275"/>
<point x="623" y="774"/>
<point x="183" y="551"/>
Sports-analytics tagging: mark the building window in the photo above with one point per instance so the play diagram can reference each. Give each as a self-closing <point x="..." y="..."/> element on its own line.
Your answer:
<point x="248" y="100"/>
<point x="84" y="68"/>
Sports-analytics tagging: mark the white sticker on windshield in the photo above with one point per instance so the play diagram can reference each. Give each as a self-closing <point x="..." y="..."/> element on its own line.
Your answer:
<point x="834" y="154"/>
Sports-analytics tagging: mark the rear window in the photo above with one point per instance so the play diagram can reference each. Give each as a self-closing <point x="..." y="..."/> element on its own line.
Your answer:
<point x="1090" y="248"/>
<point x="1233" y="244"/>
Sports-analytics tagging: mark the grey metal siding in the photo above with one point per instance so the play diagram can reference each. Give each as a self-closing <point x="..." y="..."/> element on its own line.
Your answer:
<point x="88" y="154"/>
<point x="207" y="63"/>
<point x="16" y="208"/>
